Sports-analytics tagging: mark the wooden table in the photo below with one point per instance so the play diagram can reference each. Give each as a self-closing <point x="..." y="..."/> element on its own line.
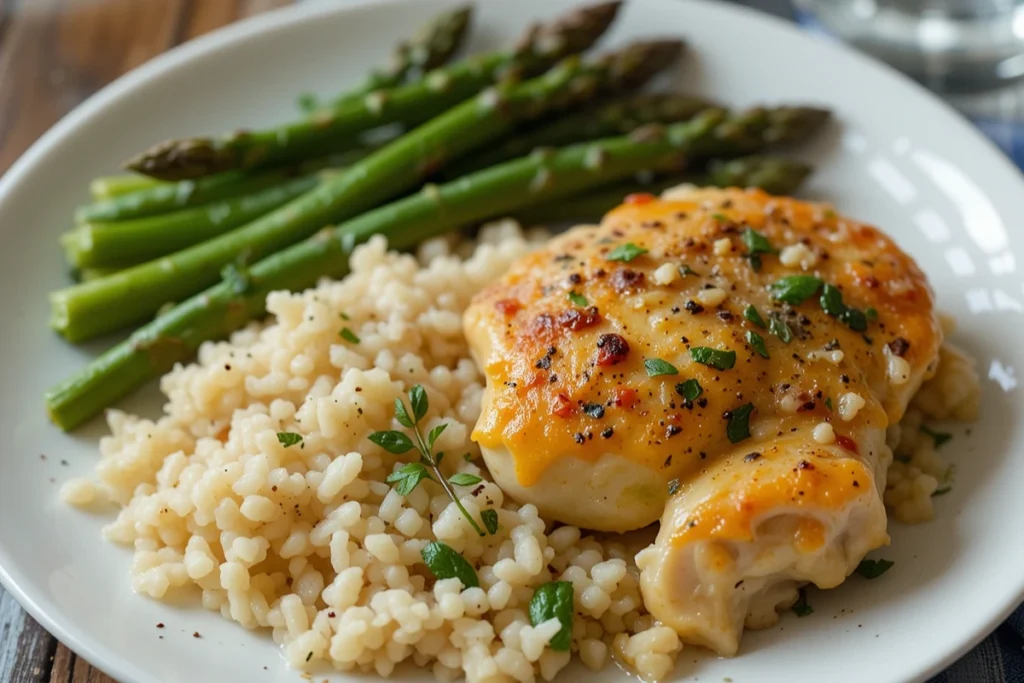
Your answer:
<point x="53" y="55"/>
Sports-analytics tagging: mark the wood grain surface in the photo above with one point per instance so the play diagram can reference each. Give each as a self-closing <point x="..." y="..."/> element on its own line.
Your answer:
<point x="53" y="55"/>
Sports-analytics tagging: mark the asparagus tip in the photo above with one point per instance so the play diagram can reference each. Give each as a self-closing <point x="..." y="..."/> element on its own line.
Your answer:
<point x="181" y="160"/>
<point x="573" y="32"/>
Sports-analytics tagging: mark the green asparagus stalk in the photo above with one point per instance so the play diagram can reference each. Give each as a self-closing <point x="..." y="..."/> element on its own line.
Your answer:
<point x="774" y="175"/>
<point x="127" y="243"/>
<point x="227" y="306"/>
<point x="164" y="197"/>
<point x="108" y="187"/>
<point x="542" y="47"/>
<point x="609" y="119"/>
<point x="89" y="309"/>
<point x="431" y="47"/>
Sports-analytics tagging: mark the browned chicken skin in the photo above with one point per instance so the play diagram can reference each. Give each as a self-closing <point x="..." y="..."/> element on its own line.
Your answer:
<point x="806" y="333"/>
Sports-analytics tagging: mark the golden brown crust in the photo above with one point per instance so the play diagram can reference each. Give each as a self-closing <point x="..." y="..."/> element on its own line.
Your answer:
<point x="568" y="379"/>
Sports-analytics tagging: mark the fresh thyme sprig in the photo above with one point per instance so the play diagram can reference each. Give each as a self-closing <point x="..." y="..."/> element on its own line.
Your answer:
<point x="408" y="477"/>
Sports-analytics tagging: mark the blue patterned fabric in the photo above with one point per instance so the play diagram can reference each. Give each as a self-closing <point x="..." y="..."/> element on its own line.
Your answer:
<point x="1000" y="657"/>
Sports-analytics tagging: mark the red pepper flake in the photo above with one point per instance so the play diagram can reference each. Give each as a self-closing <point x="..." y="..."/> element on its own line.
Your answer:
<point x="624" y="396"/>
<point x="576" y="320"/>
<point x="899" y="346"/>
<point x="638" y="198"/>
<point x="508" y="306"/>
<point x="611" y="349"/>
<point x="564" y="407"/>
<point x="847" y="443"/>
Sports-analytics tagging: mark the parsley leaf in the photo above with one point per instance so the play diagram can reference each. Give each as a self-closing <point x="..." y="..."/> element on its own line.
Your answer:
<point x="685" y="270"/>
<point x="828" y="403"/>
<point x="578" y="299"/>
<point x="288" y="439"/>
<point x="690" y="390"/>
<point x="657" y="366"/>
<point x="402" y="414"/>
<point x="554" y="600"/>
<point x="756" y="242"/>
<point x="625" y="252"/>
<point x="871" y="314"/>
<point x="872" y="569"/>
<point x="756" y="342"/>
<point x="348" y="335"/>
<point x="738" y="428"/>
<point x="419" y="402"/>
<point x="832" y="303"/>
<point x="464" y="479"/>
<point x="436" y="432"/>
<point x="751" y="314"/>
<point x="780" y="329"/>
<point x="795" y="289"/>
<point x="490" y="518"/>
<point x="800" y="607"/>
<point x="444" y="563"/>
<point x="715" y="358"/>
<point x="392" y="441"/>
<point x="408" y="477"/>
<point x="938" y="437"/>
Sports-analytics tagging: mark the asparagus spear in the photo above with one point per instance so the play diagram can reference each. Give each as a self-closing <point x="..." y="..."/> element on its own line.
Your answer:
<point x="432" y="46"/>
<point x="434" y="210"/>
<point x="164" y="197"/>
<point x="108" y="187"/>
<point x="441" y="89"/>
<point x="774" y="175"/>
<point x="93" y="308"/>
<point x="126" y="243"/>
<point x="617" y="117"/>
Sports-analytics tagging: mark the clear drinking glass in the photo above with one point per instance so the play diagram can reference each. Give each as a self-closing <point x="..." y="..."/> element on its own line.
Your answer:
<point x="951" y="45"/>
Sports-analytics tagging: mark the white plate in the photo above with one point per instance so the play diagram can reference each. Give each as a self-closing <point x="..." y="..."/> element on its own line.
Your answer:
<point x="899" y="158"/>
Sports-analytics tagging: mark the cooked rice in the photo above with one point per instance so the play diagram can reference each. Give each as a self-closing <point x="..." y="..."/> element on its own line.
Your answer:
<point x="310" y="541"/>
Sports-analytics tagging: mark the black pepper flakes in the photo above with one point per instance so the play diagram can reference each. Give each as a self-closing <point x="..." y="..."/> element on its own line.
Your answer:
<point x="751" y="457"/>
<point x="607" y="433"/>
<point x="694" y="307"/>
<point x="898" y="347"/>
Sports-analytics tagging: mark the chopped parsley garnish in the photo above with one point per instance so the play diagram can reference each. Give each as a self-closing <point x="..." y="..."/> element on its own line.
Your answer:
<point x="344" y="316"/>
<point x="288" y="439"/>
<point x="751" y="314"/>
<point x="594" y="410"/>
<point x="715" y="358"/>
<point x="943" y="491"/>
<point x="348" y="335"/>
<point x="409" y="476"/>
<point x="872" y="569"/>
<point x="673" y="487"/>
<point x="490" y="518"/>
<point x="444" y="563"/>
<point x="800" y="607"/>
<point x="690" y="390"/>
<point x="657" y="366"/>
<point x="738" y="428"/>
<point x="720" y="217"/>
<point x="578" y="299"/>
<point x="685" y="270"/>
<point x="756" y="244"/>
<point x="832" y="304"/>
<point x="938" y="437"/>
<point x="554" y="600"/>
<point x="625" y="252"/>
<point x="780" y="329"/>
<point x="795" y="289"/>
<point x="828" y="403"/>
<point x="756" y="342"/>
<point x="464" y="479"/>
<point x="871" y="314"/>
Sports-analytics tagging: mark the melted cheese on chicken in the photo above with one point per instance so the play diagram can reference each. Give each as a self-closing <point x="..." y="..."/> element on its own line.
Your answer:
<point x="807" y="334"/>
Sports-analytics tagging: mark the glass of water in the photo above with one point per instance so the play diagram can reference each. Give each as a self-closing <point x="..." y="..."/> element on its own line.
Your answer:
<point x="951" y="45"/>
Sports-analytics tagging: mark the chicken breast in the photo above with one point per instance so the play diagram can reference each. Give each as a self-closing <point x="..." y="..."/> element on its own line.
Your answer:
<point x="723" y="360"/>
